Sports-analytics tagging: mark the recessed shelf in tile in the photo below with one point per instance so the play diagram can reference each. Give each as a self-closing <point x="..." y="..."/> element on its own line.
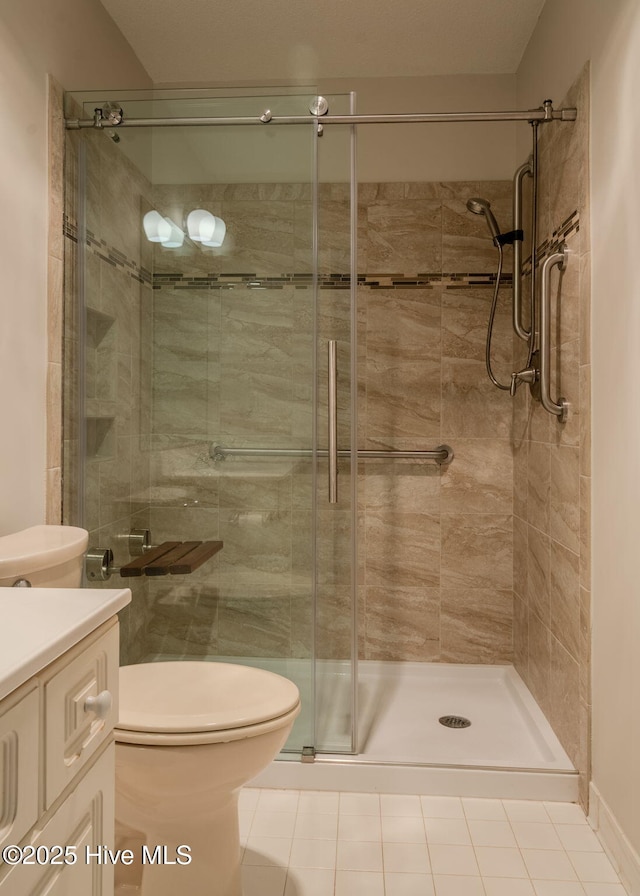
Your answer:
<point x="100" y="437"/>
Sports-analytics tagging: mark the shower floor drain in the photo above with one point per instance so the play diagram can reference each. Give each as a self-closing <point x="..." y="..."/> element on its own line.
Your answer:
<point x="454" y="721"/>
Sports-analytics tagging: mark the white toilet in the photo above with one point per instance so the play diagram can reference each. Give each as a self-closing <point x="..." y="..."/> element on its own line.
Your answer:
<point x="190" y="734"/>
<point x="44" y="557"/>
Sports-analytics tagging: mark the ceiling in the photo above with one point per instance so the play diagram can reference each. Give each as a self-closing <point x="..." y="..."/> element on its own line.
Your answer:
<point x="293" y="41"/>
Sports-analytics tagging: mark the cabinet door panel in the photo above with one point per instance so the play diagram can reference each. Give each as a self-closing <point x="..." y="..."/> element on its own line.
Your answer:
<point x="19" y="737"/>
<point x="84" y="820"/>
<point x="73" y="731"/>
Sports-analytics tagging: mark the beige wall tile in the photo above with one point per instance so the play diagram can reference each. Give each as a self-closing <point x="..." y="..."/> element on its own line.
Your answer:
<point x="520" y="638"/>
<point x="477" y="551"/>
<point x="585" y="646"/>
<point x="481" y="478"/>
<point x="585" y="532"/>
<point x="55" y="302"/>
<point x="258" y="627"/>
<point x="54" y="421"/>
<point x="402" y="624"/>
<point x="539" y="669"/>
<point x="403" y="487"/>
<point x="520" y="557"/>
<point x="465" y="316"/>
<point x="404" y="237"/>
<point x="538" y="574"/>
<point x="564" y="699"/>
<point x="402" y="549"/>
<point x="540" y="423"/>
<point x="564" y="506"/>
<point x="53" y="511"/>
<point x="403" y="363"/>
<point x="585" y="420"/>
<point x="477" y="625"/>
<point x="564" y="593"/>
<point x="585" y="308"/>
<point x="471" y="406"/>
<point x="539" y="485"/>
<point x="520" y="451"/>
<point x="56" y="134"/>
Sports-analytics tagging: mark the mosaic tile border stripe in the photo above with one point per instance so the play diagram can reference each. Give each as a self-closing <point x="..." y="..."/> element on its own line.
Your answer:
<point x="327" y="281"/>
<point x="252" y="280"/>
<point x="568" y="227"/>
<point x="109" y="254"/>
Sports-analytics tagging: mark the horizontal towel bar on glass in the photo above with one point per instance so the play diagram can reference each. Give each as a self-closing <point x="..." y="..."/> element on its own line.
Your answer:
<point x="443" y="454"/>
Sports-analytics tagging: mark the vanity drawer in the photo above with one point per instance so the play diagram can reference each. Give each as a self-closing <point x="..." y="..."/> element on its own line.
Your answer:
<point x="19" y="739"/>
<point x="80" y="710"/>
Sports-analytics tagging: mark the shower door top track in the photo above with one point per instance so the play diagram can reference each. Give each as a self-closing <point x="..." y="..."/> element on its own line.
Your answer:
<point x="546" y="112"/>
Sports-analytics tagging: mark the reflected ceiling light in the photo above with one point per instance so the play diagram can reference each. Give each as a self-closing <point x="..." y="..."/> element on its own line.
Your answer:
<point x="162" y="230"/>
<point x="205" y="228"/>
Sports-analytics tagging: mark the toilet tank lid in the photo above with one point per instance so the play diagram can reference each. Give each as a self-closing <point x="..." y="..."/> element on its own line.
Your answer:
<point x="40" y="547"/>
<point x="191" y="696"/>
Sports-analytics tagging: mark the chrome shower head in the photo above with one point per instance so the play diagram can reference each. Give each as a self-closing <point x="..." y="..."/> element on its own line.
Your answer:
<point x="482" y="207"/>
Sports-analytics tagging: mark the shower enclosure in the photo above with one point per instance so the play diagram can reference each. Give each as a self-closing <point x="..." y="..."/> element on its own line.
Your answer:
<point x="297" y="393"/>
<point x="202" y="387"/>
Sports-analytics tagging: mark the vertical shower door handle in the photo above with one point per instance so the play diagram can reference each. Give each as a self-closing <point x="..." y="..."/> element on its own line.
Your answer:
<point x="332" y="404"/>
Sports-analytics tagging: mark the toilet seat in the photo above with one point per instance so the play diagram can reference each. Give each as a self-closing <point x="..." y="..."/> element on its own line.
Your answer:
<point x="180" y="703"/>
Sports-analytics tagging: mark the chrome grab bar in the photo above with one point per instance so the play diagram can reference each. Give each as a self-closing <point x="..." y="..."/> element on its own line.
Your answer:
<point x="560" y="407"/>
<point x="443" y="454"/>
<point x="332" y="403"/>
<point x="518" y="326"/>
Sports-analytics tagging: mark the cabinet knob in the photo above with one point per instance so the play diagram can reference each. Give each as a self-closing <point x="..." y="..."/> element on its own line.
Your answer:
<point x="100" y="704"/>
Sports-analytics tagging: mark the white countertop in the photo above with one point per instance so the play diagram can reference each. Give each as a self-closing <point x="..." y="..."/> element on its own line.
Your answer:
<point x="37" y="625"/>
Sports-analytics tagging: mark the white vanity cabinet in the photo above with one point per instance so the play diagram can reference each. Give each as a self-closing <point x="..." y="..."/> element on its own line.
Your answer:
<point x="57" y="770"/>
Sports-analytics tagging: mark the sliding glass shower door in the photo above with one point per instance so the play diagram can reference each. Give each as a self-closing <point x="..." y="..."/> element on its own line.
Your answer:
<point x="197" y="385"/>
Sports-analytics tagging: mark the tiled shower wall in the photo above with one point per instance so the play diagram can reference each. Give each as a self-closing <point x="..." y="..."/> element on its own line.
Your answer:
<point x="436" y="543"/>
<point x="552" y="461"/>
<point x="231" y="365"/>
<point x="114" y="434"/>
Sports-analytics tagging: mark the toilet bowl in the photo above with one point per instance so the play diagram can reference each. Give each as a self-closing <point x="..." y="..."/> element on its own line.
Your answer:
<point x="189" y="735"/>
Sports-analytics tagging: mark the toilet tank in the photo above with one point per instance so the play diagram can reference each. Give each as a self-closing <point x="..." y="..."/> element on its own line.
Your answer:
<point x="46" y="556"/>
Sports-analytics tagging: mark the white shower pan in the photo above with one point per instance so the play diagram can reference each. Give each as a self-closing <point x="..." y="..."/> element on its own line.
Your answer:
<point x="509" y="751"/>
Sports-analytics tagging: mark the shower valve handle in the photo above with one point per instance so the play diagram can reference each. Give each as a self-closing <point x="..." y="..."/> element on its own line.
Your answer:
<point x="529" y="375"/>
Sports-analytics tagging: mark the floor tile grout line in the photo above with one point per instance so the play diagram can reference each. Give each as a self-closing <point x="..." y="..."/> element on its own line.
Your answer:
<point x="511" y="821"/>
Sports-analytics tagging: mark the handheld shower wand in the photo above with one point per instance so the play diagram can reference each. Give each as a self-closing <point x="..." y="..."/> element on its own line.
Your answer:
<point x="482" y="207"/>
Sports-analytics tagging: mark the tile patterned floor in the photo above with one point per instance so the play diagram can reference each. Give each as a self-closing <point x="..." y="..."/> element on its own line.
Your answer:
<point x="311" y="843"/>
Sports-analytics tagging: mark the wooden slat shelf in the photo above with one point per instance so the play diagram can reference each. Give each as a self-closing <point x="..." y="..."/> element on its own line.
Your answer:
<point x="172" y="557"/>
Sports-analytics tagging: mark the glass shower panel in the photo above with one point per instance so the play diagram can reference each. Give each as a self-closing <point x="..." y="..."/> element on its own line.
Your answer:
<point x="336" y="643"/>
<point x="205" y="361"/>
<point x="231" y="383"/>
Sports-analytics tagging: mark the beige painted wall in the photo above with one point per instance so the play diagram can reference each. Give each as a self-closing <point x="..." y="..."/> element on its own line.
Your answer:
<point x="570" y="32"/>
<point x="386" y="153"/>
<point x="437" y="152"/>
<point x="77" y="43"/>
